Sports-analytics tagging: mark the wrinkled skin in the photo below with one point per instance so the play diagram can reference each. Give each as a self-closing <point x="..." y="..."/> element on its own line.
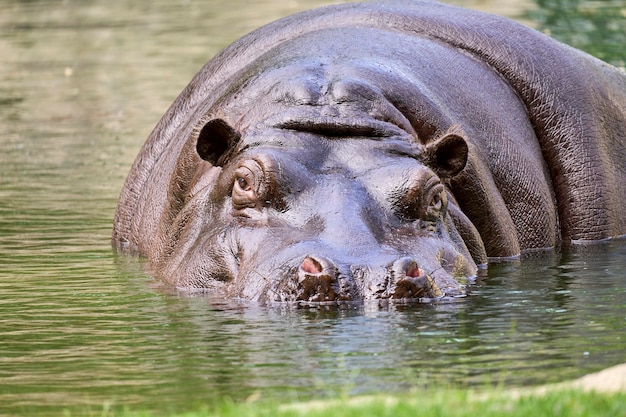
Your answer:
<point x="377" y="151"/>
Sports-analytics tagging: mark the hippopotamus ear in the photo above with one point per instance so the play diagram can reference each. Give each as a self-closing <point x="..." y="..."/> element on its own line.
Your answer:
<point x="447" y="155"/>
<point x="216" y="141"/>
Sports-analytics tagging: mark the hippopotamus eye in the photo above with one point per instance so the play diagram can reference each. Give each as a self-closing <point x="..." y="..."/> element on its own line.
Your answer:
<point x="255" y="185"/>
<point x="247" y="185"/>
<point x="243" y="184"/>
<point x="425" y="199"/>
<point x="435" y="200"/>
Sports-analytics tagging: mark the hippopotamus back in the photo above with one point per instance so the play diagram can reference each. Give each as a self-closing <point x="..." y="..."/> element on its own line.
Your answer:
<point x="526" y="135"/>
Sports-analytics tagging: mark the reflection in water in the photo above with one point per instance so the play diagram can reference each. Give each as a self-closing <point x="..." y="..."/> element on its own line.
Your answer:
<point x="81" y="85"/>
<point x="95" y="331"/>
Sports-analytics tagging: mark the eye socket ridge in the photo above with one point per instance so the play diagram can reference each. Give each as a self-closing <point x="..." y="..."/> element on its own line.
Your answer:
<point x="255" y="185"/>
<point x="248" y="185"/>
<point x="423" y="197"/>
<point x="435" y="199"/>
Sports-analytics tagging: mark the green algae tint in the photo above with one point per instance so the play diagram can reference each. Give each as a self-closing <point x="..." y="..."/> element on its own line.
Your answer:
<point x="81" y="86"/>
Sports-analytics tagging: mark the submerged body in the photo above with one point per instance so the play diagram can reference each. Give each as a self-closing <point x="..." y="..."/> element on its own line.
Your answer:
<point x="374" y="151"/>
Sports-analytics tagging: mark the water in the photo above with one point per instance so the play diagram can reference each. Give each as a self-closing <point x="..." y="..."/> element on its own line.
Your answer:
<point x="82" y="83"/>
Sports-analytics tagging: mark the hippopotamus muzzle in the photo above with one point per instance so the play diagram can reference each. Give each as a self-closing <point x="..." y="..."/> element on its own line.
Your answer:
<point x="320" y="281"/>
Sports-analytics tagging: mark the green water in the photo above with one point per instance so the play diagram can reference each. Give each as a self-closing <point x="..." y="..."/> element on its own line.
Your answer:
<point x="82" y="83"/>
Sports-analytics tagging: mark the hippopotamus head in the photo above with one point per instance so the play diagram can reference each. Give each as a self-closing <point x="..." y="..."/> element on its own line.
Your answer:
<point x="376" y="151"/>
<point x="316" y="195"/>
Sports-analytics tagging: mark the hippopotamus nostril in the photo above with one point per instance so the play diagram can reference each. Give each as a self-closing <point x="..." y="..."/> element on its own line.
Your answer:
<point x="317" y="265"/>
<point x="406" y="267"/>
<point x="412" y="282"/>
<point x="413" y="270"/>
<point x="311" y="266"/>
<point x="317" y="280"/>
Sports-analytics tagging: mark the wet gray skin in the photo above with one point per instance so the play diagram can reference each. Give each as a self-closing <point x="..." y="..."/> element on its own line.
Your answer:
<point x="377" y="151"/>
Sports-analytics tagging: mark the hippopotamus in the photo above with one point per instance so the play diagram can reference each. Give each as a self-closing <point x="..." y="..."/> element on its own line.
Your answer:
<point x="376" y="151"/>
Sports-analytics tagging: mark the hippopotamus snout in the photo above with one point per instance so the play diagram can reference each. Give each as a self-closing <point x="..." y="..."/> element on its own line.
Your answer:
<point x="320" y="280"/>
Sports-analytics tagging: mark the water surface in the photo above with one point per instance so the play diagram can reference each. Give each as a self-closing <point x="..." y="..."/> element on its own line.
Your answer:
<point x="82" y="83"/>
